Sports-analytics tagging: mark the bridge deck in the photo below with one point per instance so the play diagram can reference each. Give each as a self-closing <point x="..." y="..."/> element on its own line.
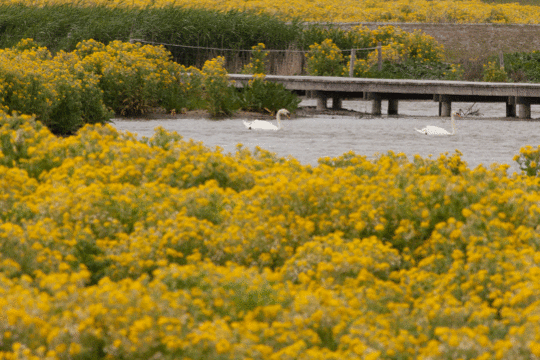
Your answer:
<point x="443" y="91"/>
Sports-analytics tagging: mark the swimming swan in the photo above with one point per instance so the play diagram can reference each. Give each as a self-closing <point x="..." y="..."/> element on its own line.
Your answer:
<point x="266" y="125"/>
<point x="435" y="130"/>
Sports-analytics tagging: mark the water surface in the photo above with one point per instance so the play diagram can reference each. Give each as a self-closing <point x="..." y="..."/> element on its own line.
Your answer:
<point x="483" y="139"/>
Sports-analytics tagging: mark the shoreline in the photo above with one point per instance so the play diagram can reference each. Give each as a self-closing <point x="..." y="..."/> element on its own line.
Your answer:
<point x="303" y="111"/>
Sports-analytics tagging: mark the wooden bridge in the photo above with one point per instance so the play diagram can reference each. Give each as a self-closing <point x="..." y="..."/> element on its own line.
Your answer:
<point x="517" y="96"/>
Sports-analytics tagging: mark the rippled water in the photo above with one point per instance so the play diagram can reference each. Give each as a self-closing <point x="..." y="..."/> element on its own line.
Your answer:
<point x="484" y="139"/>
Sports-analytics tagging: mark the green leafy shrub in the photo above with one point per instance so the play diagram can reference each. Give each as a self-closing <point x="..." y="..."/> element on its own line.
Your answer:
<point x="260" y="94"/>
<point x="523" y="66"/>
<point x="220" y="95"/>
<point x="411" y="69"/>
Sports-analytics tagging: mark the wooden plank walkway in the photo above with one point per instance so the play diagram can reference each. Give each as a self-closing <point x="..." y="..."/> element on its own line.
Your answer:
<point x="517" y="96"/>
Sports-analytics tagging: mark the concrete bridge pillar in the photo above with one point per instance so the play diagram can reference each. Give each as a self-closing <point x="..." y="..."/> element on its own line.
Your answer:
<point x="445" y="106"/>
<point x="321" y="101"/>
<point x="376" y="102"/>
<point x="336" y="103"/>
<point x="524" y="111"/>
<point x="376" y="106"/>
<point x="392" y="106"/>
<point x="511" y="106"/>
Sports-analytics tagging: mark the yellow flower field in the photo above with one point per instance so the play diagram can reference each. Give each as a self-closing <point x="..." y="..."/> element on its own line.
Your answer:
<point x="467" y="11"/>
<point x="117" y="248"/>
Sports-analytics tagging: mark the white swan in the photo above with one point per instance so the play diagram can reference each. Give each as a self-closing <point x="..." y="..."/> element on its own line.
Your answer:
<point x="435" y="130"/>
<point x="266" y="125"/>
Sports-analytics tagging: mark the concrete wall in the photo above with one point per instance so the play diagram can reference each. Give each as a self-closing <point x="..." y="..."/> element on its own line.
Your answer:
<point x="469" y="41"/>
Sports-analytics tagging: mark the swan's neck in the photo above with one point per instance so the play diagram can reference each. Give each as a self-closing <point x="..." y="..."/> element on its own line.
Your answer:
<point x="278" y="118"/>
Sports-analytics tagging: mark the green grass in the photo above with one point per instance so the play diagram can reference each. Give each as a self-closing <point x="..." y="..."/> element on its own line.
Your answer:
<point x="61" y="27"/>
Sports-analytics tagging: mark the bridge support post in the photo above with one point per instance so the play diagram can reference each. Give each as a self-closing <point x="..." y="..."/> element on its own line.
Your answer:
<point x="524" y="111"/>
<point x="321" y="101"/>
<point x="392" y="106"/>
<point x="511" y="106"/>
<point x="336" y="103"/>
<point x="376" y="102"/>
<point x="445" y="106"/>
<point x="376" y="106"/>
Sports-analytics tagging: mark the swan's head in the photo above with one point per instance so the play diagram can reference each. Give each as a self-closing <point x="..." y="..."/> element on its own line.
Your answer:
<point x="456" y="113"/>
<point x="284" y="112"/>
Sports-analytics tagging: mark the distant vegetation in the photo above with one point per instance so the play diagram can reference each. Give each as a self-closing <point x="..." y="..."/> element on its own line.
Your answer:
<point x="463" y="11"/>
<point x="520" y="2"/>
<point x="61" y="27"/>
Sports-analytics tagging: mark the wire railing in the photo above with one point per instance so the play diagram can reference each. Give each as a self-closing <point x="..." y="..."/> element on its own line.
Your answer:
<point x="281" y="61"/>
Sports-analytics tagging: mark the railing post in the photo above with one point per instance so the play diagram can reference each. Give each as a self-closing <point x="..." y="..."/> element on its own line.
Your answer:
<point x="351" y="67"/>
<point x="379" y="53"/>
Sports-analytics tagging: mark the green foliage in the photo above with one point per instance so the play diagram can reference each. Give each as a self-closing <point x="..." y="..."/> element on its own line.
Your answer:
<point x="523" y="66"/>
<point x="494" y="72"/>
<point x="261" y="94"/>
<point x="62" y="27"/>
<point x="220" y="95"/>
<point x="411" y="69"/>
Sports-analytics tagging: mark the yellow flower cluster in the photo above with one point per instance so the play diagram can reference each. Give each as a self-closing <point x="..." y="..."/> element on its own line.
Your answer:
<point x="258" y="62"/>
<point x="324" y="59"/>
<point x="54" y="89"/>
<point x="528" y="160"/>
<point x="69" y="89"/>
<point x="396" y="46"/>
<point x="113" y="247"/>
<point x="466" y="11"/>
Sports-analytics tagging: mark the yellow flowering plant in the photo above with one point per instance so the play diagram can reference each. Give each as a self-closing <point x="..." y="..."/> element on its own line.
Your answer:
<point x="445" y="11"/>
<point x="258" y="62"/>
<point x="117" y="247"/>
<point x="494" y="72"/>
<point x="136" y="78"/>
<point x="221" y="97"/>
<point x="528" y="160"/>
<point x="324" y="59"/>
